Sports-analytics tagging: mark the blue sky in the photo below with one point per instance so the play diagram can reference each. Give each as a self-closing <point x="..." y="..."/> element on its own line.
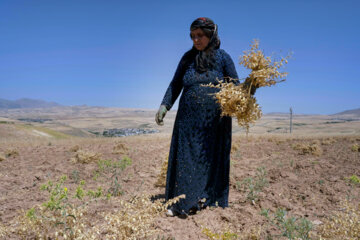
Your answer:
<point x="124" y="53"/>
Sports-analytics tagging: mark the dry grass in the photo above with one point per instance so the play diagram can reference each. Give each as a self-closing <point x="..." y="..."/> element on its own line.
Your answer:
<point x="135" y="218"/>
<point x="227" y="234"/>
<point x="74" y="148"/>
<point x="85" y="157"/>
<point x="97" y="227"/>
<point x="328" y="141"/>
<point x="63" y="218"/>
<point x="344" y="225"/>
<point x="235" y="146"/>
<point x="47" y="226"/>
<point x="161" y="179"/>
<point x="309" y="148"/>
<point x="2" y="156"/>
<point x="120" y="148"/>
<point x="355" y="148"/>
<point x="12" y="152"/>
<point x="3" y="230"/>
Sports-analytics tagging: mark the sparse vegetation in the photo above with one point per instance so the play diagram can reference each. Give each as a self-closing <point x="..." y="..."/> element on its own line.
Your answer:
<point x="344" y="224"/>
<point x="55" y="218"/>
<point x="12" y="152"/>
<point x="328" y="141"/>
<point x="60" y="218"/>
<point x="48" y="131"/>
<point x="309" y="148"/>
<point x="135" y="218"/>
<point x="225" y="235"/>
<point x="120" y="148"/>
<point x="353" y="180"/>
<point x="111" y="171"/>
<point x="74" y="148"/>
<point x="288" y="226"/>
<point x="234" y="147"/>
<point x="161" y="179"/>
<point x="253" y="186"/>
<point x="85" y="157"/>
<point x="355" y="148"/>
<point x="297" y="182"/>
<point x="252" y="234"/>
<point x="2" y="156"/>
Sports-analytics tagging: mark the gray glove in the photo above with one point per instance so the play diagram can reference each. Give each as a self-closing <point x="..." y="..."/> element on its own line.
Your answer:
<point x="160" y="115"/>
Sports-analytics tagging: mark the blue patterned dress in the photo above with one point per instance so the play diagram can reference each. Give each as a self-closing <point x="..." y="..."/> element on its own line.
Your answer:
<point x="199" y="158"/>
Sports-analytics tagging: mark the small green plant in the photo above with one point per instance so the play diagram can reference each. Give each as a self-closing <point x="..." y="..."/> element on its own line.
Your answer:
<point x="95" y="194"/>
<point x="60" y="215"/>
<point x="58" y="206"/>
<point x="355" y="180"/>
<point x="290" y="227"/>
<point x="112" y="170"/>
<point x="75" y="176"/>
<point x="58" y="195"/>
<point x="31" y="213"/>
<point x="80" y="193"/>
<point x="253" y="186"/>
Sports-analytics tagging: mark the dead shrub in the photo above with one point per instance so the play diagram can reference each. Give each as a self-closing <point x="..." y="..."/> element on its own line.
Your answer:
<point x="120" y="148"/>
<point x="355" y="148"/>
<point x="3" y="231"/>
<point x="279" y="141"/>
<point x="12" y="152"/>
<point x="86" y="157"/>
<point x="2" y="156"/>
<point x="161" y="179"/>
<point x="328" y="141"/>
<point x="235" y="147"/>
<point x="308" y="148"/>
<point x="74" y="148"/>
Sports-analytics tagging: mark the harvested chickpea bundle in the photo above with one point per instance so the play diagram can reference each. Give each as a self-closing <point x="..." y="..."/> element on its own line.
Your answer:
<point x="236" y="100"/>
<point x="264" y="71"/>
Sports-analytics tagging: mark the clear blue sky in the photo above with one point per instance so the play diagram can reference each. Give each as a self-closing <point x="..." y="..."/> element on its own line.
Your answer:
<point x="124" y="53"/>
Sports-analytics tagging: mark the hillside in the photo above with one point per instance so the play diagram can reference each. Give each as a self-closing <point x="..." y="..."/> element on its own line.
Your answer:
<point x="26" y="103"/>
<point x="355" y="112"/>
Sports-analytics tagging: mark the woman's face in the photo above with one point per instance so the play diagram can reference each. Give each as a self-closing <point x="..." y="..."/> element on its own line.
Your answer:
<point x="199" y="38"/>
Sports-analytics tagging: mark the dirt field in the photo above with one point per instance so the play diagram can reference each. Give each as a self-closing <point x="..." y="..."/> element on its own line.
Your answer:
<point x="309" y="177"/>
<point x="111" y="188"/>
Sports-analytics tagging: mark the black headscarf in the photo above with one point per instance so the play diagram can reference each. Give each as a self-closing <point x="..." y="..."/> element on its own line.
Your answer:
<point x="205" y="60"/>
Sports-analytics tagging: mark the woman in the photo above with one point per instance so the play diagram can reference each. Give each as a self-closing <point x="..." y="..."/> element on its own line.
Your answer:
<point x="199" y="158"/>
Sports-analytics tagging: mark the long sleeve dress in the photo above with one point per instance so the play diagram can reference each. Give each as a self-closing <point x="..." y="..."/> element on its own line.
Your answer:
<point x="199" y="158"/>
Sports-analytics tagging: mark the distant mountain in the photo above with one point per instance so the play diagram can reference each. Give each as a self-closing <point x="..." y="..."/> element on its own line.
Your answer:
<point x="348" y="112"/>
<point x="26" y="103"/>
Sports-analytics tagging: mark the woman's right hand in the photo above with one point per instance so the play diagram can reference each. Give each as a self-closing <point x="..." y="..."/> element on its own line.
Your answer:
<point x="159" y="117"/>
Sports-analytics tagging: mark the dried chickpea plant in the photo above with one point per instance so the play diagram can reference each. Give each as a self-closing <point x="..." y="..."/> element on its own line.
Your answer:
<point x="236" y="100"/>
<point x="161" y="178"/>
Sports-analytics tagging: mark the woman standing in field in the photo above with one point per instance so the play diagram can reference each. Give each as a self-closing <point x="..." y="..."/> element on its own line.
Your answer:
<point x="199" y="158"/>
